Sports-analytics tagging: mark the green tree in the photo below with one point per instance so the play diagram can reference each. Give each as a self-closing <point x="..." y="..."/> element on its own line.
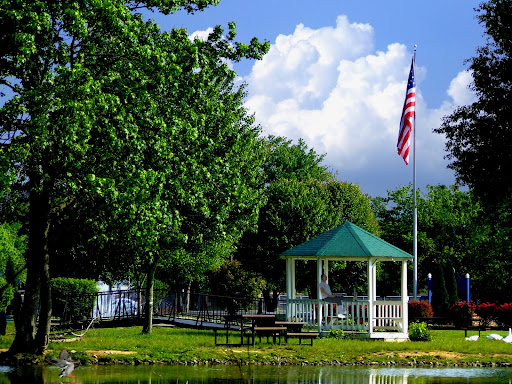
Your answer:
<point x="450" y="282"/>
<point x="289" y="161"/>
<point x="12" y="261"/>
<point x="479" y="143"/>
<point x="440" y="297"/>
<point x="448" y="226"/>
<point x="233" y="285"/>
<point x="295" y="212"/>
<point x="479" y="135"/>
<point x="91" y="90"/>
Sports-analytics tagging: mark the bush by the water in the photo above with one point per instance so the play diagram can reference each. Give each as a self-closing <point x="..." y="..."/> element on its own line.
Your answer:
<point x="419" y="332"/>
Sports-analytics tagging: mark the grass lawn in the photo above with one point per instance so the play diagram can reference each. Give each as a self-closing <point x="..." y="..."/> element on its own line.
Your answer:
<point x="179" y="345"/>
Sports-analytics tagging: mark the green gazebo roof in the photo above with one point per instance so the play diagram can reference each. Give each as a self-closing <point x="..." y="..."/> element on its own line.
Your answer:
<point x="347" y="242"/>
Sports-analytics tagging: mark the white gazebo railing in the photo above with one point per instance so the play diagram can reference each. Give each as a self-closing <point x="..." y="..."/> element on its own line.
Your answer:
<point x="350" y="315"/>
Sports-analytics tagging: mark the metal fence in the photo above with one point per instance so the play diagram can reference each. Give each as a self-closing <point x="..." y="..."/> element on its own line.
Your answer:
<point x="200" y="307"/>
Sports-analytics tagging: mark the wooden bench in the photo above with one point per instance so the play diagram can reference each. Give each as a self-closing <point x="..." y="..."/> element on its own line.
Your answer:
<point x="302" y="335"/>
<point x="474" y="328"/>
<point x="268" y="331"/>
<point x="291" y="326"/>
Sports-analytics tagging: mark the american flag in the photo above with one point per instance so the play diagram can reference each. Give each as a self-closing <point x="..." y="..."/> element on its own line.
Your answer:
<point x="408" y="115"/>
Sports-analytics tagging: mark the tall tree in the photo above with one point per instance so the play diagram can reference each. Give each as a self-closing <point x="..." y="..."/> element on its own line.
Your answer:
<point x="480" y="145"/>
<point x="448" y="226"/>
<point x="286" y="160"/>
<point x="91" y="89"/>
<point x="302" y="201"/>
<point x="479" y="135"/>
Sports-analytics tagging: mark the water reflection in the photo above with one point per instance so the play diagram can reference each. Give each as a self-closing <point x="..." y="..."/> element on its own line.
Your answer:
<point x="256" y="374"/>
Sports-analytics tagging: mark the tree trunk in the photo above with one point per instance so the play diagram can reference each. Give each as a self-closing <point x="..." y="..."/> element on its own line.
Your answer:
<point x="45" y="312"/>
<point x="37" y="278"/>
<point x="148" y="318"/>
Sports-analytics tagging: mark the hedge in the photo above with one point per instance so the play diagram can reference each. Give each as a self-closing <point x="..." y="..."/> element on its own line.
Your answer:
<point x="73" y="299"/>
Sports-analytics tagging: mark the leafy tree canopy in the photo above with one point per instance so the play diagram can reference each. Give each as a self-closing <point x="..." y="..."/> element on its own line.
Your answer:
<point x="448" y="226"/>
<point x="102" y="106"/>
<point x="292" y="161"/>
<point x="479" y="136"/>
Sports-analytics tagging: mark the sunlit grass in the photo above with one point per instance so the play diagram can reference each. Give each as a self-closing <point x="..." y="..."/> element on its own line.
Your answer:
<point x="173" y="345"/>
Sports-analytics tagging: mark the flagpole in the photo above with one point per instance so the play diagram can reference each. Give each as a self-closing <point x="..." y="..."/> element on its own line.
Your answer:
<point x="415" y="213"/>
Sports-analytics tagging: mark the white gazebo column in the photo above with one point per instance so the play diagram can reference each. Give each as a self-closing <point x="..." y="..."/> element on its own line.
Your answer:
<point x="371" y="293"/>
<point x="290" y="287"/>
<point x="319" y="272"/>
<point x="405" y="299"/>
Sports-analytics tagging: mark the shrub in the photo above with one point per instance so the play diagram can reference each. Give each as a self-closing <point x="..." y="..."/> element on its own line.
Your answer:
<point x="420" y="308"/>
<point x="6" y="295"/>
<point x="488" y="312"/>
<point x="440" y="300"/>
<point x="461" y="313"/>
<point x="419" y="332"/>
<point x="504" y="315"/>
<point x="336" y="334"/>
<point x="72" y="299"/>
<point x="450" y="282"/>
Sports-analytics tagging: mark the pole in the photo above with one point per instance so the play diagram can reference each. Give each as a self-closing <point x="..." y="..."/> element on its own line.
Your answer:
<point x="415" y="213"/>
<point x="468" y="297"/>
<point x="429" y="288"/>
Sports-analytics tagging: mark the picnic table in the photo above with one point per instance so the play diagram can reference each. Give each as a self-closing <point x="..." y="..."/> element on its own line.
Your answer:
<point x="231" y="323"/>
<point x="263" y="325"/>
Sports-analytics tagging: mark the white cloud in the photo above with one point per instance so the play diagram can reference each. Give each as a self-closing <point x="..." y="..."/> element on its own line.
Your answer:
<point x="459" y="89"/>
<point x="201" y="35"/>
<point x="330" y="87"/>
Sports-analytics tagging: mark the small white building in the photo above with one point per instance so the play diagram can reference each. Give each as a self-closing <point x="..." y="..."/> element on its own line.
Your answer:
<point x="379" y="319"/>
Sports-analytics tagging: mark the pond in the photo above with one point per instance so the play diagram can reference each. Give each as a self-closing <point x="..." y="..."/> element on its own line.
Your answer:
<point x="255" y="374"/>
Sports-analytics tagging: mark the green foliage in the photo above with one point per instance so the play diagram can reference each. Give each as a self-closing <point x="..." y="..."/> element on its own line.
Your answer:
<point x="440" y="298"/>
<point x="336" y="334"/>
<point x="161" y="290"/>
<point x="479" y="142"/>
<point x="289" y="161"/>
<point x="419" y="331"/>
<point x="302" y="201"/>
<point x="236" y="287"/>
<point x="6" y="295"/>
<point x="479" y="135"/>
<point x="141" y="131"/>
<point x="449" y="228"/>
<point x="12" y="253"/>
<point x="419" y="308"/>
<point x="450" y="282"/>
<point x="73" y="299"/>
<point x="12" y="262"/>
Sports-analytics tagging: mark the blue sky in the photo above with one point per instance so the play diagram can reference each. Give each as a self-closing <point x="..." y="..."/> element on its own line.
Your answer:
<point x="336" y="75"/>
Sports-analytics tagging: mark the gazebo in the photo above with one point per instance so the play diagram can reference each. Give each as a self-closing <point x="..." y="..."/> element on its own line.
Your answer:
<point x="370" y="316"/>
